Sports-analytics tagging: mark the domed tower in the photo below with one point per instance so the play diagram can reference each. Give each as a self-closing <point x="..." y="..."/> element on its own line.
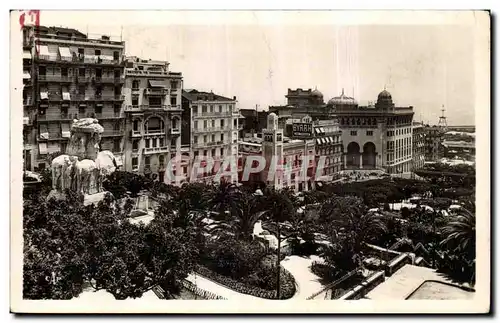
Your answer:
<point x="384" y="101"/>
<point x="272" y="121"/>
<point x="342" y="102"/>
<point x="317" y="97"/>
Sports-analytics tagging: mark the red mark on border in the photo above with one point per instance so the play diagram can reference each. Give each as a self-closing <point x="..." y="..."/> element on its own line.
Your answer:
<point x="29" y="18"/>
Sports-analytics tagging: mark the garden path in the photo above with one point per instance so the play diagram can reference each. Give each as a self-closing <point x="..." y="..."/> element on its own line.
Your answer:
<point x="220" y="290"/>
<point x="307" y="282"/>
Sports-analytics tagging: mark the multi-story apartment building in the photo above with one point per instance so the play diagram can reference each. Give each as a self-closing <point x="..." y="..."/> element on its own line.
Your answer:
<point x="418" y="145"/>
<point x="72" y="76"/>
<point x="214" y="121"/>
<point x="153" y="96"/>
<point x="375" y="137"/>
<point x="433" y="143"/>
<point x="283" y="159"/>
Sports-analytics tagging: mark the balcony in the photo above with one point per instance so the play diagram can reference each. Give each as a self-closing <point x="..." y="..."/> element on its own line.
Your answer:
<point x="60" y="117"/>
<point x="133" y="72"/>
<point x="155" y="150"/>
<point x="212" y="129"/>
<point x="155" y="92"/>
<point x="145" y="107"/>
<point x="112" y="133"/>
<point x="102" y="97"/>
<point x="79" y="59"/>
<point x="175" y="131"/>
<point x="54" y="78"/>
<point x="212" y="114"/>
<point x="211" y="144"/>
<point x="107" y="79"/>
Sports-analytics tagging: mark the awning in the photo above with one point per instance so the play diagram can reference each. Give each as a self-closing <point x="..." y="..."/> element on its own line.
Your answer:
<point x="44" y="133"/>
<point x="330" y="140"/>
<point x="26" y="75"/>
<point x="90" y="58"/>
<point x="65" y="130"/>
<point x="44" y="95"/>
<point x="66" y="96"/>
<point x="26" y="54"/>
<point x="26" y="120"/>
<point x="317" y="130"/>
<point x="321" y="130"/>
<point x="157" y="83"/>
<point x="106" y="58"/>
<point x="43" y="50"/>
<point x="42" y="148"/>
<point x="53" y="53"/>
<point x="65" y="54"/>
<point x="318" y="141"/>
<point x="324" y="140"/>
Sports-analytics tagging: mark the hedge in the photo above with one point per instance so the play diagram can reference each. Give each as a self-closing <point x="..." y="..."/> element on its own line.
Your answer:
<point x="287" y="290"/>
<point x="201" y="292"/>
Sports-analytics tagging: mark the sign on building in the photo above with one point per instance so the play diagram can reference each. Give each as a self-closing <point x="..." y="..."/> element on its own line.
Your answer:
<point x="303" y="130"/>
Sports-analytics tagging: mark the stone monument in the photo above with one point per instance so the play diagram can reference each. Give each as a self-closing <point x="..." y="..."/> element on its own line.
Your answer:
<point x="83" y="168"/>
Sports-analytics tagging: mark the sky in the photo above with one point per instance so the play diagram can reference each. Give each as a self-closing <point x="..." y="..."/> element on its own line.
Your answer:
<point x="258" y="58"/>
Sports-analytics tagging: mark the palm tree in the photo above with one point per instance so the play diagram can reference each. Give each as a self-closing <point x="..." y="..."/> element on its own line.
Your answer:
<point x="243" y="219"/>
<point x="224" y="198"/>
<point x="460" y="234"/>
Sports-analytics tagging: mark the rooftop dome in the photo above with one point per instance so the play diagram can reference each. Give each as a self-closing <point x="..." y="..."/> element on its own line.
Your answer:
<point x="317" y="93"/>
<point x="342" y="100"/>
<point x="384" y="94"/>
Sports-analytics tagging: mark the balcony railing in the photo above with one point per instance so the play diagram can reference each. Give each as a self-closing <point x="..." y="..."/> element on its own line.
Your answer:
<point x="175" y="131"/>
<point x="55" y="78"/>
<point x="112" y="133"/>
<point x="212" y="129"/>
<point x="57" y="117"/>
<point x="211" y="114"/>
<point x="102" y="97"/>
<point x="211" y="144"/>
<point x="107" y="79"/>
<point x="155" y="150"/>
<point x="154" y="92"/>
<point x="145" y="107"/>
<point x="133" y="72"/>
<point x="79" y="59"/>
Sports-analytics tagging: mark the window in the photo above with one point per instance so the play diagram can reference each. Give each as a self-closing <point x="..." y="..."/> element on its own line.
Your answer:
<point x="134" y="162"/>
<point x="196" y="153"/>
<point x="196" y="124"/>
<point x="98" y="73"/>
<point x="116" y="145"/>
<point x="64" y="71"/>
<point x="135" y="100"/>
<point x="205" y="153"/>
<point x="195" y="139"/>
<point x="154" y="125"/>
<point x="222" y="151"/>
<point x="213" y="152"/>
<point x="213" y="123"/>
<point x="116" y="56"/>
<point x="211" y="108"/>
<point x="136" y="125"/>
<point x="154" y="142"/>
<point x="147" y="161"/>
<point x="161" y="160"/>
<point x="117" y="126"/>
<point x="195" y="109"/>
<point x="175" y="123"/>
<point x="147" y="143"/>
<point x="81" y="110"/>
<point x="221" y="137"/>
<point x="64" y="111"/>
<point x="220" y="108"/>
<point x="173" y="143"/>
<point x="135" y="85"/>
<point x="118" y="90"/>
<point x="81" y="51"/>
<point x="205" y="139"/>
<point x="222" y="123"/>
<point x="97" y="52"/>
<point x="135" y="145"/>
<point x="235" y="123"/>
<point x="161" y="142"/>
<point x="173" y="85"/>
<point x="98" y="109"/>
<point x="117" y="73"/>
<point x="81" y="72"/>
<point x="213" y="138"/>
<point x="204" y="109"/>
<point x="173" y="100"/>
<point x="205" y="124"/>
<point x="354" y="133"/>
<point x="369" y="133"/>
<point x="117" y="110"/>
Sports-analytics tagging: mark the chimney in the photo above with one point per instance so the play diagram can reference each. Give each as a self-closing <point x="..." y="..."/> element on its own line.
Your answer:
<point x="234" y="98"/>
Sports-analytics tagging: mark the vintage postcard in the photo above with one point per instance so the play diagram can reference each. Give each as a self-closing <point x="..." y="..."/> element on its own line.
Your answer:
<point x="250" y="161"/>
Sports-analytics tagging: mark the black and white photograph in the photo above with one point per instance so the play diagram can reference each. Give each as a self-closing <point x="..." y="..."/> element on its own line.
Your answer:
<point x="283" y="161"/>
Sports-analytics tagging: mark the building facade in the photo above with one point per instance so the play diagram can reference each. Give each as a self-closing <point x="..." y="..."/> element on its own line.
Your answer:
<point x="284" y="158"/>
<point x="375" y="137"/>
<point x="69" y="76"/>
<point x="418" y="145"/>
<point x="433" y="143"/>
<point x="214" y="121"/>
<point x="153" y="112"/>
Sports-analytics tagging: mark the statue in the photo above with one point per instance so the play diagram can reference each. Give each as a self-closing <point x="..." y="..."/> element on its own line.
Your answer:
<point x="83" y="168"/>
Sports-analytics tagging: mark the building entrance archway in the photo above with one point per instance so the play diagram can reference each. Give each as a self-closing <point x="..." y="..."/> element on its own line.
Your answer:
<point x="353" y="155"/>
<point x="369" y="155"/>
